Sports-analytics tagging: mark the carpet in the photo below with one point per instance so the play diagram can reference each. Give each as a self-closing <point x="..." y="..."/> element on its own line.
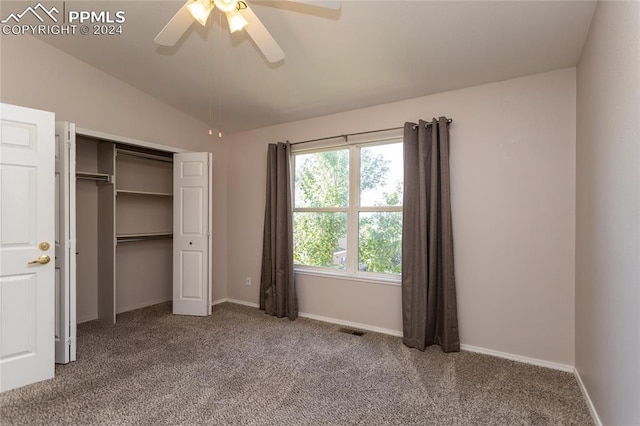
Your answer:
<point x="242" y="367"/>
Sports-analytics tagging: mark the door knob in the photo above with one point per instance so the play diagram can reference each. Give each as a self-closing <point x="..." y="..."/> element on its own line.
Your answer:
<point x="41" y="260"/>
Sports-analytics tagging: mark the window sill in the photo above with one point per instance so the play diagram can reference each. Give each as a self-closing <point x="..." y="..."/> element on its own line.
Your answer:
<point x="370" y="279"/>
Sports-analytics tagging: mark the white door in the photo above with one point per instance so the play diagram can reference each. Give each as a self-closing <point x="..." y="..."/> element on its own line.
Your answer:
<point x="65" y="289"/>
<point x="192" y="233"/>
<point x="26" y="246"/>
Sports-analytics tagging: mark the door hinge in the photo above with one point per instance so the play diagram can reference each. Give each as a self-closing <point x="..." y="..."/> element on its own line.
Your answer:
<point x="69" y="341"/>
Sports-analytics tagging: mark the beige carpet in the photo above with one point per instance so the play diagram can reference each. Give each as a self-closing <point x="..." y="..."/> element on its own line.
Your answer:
<point x="244" y="368"/>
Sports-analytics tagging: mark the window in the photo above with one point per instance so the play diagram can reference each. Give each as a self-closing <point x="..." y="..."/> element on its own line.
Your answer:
<point x="348" y="209"/>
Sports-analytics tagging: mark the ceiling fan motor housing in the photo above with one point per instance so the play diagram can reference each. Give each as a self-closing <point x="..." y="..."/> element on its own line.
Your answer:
<point x="226" y="5"/>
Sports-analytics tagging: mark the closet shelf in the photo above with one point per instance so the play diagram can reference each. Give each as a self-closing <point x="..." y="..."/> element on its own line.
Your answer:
<point x="129" y="153"/>
<point x="151" y="193"/>
<point x="98" y="177"/>
<point x="131" y="238"/>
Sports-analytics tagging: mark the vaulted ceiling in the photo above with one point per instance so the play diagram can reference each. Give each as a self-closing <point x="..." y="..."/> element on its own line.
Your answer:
<point x="367" y="53"/>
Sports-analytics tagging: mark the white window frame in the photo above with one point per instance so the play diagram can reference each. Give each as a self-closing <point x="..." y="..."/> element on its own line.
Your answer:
<point x="353" y="211"/>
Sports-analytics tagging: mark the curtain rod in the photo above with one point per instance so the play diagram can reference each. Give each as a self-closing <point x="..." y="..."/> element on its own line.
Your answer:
<point x="346" y="135"/>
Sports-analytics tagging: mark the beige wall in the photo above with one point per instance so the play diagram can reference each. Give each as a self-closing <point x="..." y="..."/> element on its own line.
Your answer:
<point x="513" y="184"/>
<point x="36" y="75"/>
<point x="608" y="213"/>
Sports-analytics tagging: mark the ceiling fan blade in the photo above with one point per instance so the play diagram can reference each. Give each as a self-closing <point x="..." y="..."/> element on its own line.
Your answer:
<point x="263" y="39"/>
<point x="326" y="4"/>
<point x="174" y="29"/>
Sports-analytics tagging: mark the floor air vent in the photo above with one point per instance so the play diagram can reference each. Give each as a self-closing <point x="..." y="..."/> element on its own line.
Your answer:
<point x="352" y="331"/>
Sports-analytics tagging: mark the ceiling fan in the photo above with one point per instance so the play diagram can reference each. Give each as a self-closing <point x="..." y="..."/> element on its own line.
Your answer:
<point x="239" y="15"/>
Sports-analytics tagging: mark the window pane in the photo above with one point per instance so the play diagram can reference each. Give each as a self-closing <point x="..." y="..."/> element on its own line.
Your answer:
<point x="322" y="179"/>
<point x="380" y="242"/>
<point x="320" y="239"/>
<point x="381" y="175"/>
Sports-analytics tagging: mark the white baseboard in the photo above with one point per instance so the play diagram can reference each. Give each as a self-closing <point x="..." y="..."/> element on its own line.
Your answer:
<point x="351" y="324"/>
<point x="218" y="301"/>
<point x="81" y="320"/>
<point x="144" y="304"/>
<point x="323" y="319"/>
<point x="519" y="358"/>
<point x="398" y="333"/>
<point x="242" y="302"/>
<point x="128" y="308"/>
<point x="585" y="394"/>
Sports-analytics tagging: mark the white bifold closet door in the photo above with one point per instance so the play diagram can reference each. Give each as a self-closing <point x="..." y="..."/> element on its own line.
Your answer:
<point x="192" y="233"/>
<point x="65" y="260"/>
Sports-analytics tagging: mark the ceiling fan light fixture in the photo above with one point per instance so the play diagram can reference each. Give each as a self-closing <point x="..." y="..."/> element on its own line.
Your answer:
<point x="200" y="10"/>
<point x="236" y="21"/>
<point x="226" y="5"/>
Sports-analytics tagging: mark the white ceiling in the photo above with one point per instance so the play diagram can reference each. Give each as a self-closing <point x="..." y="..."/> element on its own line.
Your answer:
<point x="367" y="53"/>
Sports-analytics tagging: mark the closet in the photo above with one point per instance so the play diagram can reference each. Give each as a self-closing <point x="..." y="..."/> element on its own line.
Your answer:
<point x="137" y="223"/>
<point x="137" y="185"/>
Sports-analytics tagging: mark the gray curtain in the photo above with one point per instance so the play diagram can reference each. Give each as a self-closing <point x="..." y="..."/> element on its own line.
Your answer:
<point x="277" y="288"/>
<point x="429" y="311"/>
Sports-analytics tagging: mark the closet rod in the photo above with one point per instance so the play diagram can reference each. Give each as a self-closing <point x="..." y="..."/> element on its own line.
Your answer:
<point x="126" y="152"/>
<point x="97" y="179"/>
<point x="141" y="238"/>
<point x="346" y="135"/>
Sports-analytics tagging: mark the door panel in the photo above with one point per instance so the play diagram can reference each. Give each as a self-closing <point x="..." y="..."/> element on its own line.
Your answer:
<point x="26" y="221"/>
<point x="19" y="216"/>
<point x="191" y="265"/>
<point x="65" y="210"/>
<point x="18" y="294"/>
<point x="192" y="202"/>
<point x="192" y="234"/>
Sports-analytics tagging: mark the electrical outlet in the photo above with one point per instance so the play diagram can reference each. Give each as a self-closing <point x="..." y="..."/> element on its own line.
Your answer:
<point x="248" y="281"/>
